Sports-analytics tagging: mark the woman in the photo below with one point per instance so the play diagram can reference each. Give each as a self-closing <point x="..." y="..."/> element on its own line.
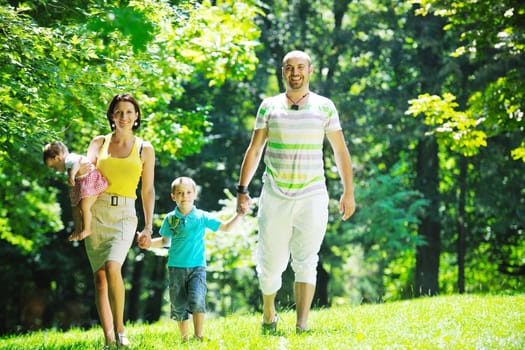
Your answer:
<point x="123" y="159"/>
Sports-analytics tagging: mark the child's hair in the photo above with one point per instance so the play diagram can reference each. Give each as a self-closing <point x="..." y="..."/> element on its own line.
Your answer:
<point x="53" y="149"/>
<point x="183" y="180"/>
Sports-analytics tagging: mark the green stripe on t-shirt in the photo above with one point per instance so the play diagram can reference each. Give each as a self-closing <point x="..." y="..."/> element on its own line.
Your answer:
<point x="305" y="146"/>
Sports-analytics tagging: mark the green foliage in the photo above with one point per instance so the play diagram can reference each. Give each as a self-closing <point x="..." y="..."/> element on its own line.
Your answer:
<point x="388" y="214"/>
<point x="231" y="250"/>
<point x="457" y="130"/>
<point x="56" y="81"/>
<point x="453" y="322"/>
<point x="30" y="202"/>
<point x="487" y="124"/>
<point x="483" y="26"/>
<point x="383" y="229"/>
<point x="129" y="21"/>
<point x="484" y="271"/>
<point x="491" y="37"/>
<point x="231" y="269"/>
<point x="26" y="66"/>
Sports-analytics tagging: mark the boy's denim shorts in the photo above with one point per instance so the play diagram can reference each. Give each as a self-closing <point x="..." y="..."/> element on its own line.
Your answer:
<point x="187" y="291"/>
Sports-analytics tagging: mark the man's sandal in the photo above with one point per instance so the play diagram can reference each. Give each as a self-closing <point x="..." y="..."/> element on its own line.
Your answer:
<point x="301" y="330"/>
<point x="269" y="328"/>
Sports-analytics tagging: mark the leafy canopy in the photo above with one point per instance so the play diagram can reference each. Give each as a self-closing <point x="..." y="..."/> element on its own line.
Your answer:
<point x="57" y="77"/>
<point x="492" y="38"/>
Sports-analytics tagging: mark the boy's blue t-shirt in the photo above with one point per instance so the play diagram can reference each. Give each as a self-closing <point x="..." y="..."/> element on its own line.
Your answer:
<point x="186" y="237"/>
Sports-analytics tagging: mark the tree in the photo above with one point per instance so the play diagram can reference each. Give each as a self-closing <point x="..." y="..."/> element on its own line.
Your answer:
<point x="483" y="108"/>
<point x="491" y="36"/>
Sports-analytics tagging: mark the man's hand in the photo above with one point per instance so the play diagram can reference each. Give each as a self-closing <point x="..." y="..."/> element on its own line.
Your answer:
<point x="346" y="206"/>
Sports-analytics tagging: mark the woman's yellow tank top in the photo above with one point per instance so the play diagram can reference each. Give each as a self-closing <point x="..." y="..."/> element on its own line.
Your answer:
<point x="123" y="174"/>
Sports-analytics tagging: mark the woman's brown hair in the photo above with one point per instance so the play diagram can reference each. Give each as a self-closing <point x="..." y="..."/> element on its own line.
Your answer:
<point x="113" y="104"/>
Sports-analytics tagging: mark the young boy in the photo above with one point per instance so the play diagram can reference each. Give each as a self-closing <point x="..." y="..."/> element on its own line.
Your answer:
<point x="183" y="231"/>
<point x="85" y="186"/>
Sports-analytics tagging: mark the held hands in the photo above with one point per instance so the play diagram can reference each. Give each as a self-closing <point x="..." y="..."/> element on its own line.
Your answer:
<point x="244" y="202"/>
<point x="144" y="238"/>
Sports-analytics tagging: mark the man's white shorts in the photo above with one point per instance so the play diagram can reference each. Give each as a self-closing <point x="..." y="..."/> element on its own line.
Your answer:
<point x="289" y="226"/>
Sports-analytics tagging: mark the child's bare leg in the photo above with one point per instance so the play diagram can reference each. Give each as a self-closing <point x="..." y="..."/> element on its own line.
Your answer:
<point x="183" y="327"/>
<point x="198" y="323"/>
<point x="85" y="206"/>
<point x="77" y="220"/>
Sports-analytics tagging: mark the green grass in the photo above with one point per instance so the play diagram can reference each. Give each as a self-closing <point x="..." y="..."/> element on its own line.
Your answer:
<point x="448" y="322"/>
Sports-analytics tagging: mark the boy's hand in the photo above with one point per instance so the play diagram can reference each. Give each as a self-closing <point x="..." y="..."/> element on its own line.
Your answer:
<point x="244" y="202"/>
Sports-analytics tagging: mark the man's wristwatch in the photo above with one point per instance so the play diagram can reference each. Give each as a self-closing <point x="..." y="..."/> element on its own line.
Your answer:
<point x="242" y="189"/>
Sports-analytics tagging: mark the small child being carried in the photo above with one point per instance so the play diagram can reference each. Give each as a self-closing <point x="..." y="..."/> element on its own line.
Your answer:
<point x="85" y="185"/>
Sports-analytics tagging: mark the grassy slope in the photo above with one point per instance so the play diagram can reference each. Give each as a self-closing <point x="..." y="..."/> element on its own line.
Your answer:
<point x="449" y="322"/>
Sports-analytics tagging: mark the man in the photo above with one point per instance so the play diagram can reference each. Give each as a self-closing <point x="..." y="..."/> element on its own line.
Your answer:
<point x="293" y="208"/>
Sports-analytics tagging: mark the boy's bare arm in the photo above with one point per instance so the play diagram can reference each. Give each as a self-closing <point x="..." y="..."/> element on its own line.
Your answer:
<point x="228" y="225"/>
<point x="148" y="242"/>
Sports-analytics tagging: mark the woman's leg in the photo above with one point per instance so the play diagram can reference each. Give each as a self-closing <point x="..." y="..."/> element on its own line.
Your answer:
<point x="103" y="305"/>
<point x="117" y="295"/>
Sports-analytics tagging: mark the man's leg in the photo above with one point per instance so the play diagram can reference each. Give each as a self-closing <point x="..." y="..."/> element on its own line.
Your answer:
<point x="273" y="251"/>
<point x="269" y="312"/>
<point x="309" y="231"/>
<point x="304" y="294"/>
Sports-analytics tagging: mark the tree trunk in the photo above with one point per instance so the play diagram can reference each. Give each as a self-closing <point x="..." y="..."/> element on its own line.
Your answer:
<point x="133" y="296"/>
<point x="321" y="289"/>
<point x="461" y="244"/>
<point x="427" y="255"/>
<point x="157" y="283"/>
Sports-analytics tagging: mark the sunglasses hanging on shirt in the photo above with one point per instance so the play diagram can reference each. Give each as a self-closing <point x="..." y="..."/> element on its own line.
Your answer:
<point x="295" y="104"/>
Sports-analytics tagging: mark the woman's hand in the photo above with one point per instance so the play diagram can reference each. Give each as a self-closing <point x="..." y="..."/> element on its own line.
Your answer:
<point x="144" y="238"/>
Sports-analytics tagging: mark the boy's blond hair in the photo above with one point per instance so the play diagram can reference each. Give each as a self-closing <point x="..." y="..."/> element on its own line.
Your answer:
<point x="183" y="180"/>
